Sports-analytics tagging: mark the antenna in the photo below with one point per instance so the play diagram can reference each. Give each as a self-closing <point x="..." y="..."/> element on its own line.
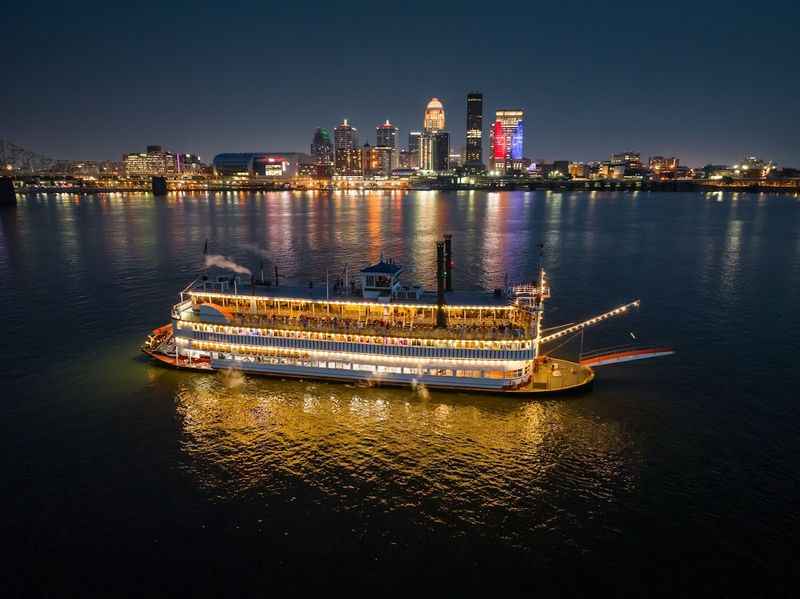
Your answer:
<point x="541" y="260"/>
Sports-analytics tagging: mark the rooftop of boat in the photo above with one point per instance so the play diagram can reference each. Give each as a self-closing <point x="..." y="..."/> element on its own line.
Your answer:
<point x="319" y="293"/>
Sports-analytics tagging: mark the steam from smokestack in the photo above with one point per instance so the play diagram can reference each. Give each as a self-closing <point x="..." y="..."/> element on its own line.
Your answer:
<point x="223" y="262"/>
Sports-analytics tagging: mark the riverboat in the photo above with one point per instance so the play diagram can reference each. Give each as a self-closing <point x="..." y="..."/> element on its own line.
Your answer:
<point x="369" y="328"/>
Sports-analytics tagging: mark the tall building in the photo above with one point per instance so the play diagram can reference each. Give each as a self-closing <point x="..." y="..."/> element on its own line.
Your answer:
<point x="434" y="142"/>
<point x="412" y="159"/>
<point x="322" y="147"/>
<point x="413" y="141"/>
<point x="473" y="156"/>
<point x="434" y="151"/>
<point x="434" y="116"/>
<point x="507" y="139"/>
<point x="345" y="139"/>
<point x="386" y="137"/>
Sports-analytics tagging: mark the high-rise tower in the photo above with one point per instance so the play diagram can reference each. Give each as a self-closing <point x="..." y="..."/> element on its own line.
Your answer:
<point x="507" y="138"/>
<point x="434" y="143"/>
<point x="386" y="135"/>
<point x="434" y="116"/>
<point x="473" y="158"/>
<point x="322" y="147"/>
<point x="345" y="142"/>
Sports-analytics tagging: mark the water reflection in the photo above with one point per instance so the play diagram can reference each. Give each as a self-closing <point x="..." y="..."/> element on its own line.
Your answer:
<point x="471" y="454"/>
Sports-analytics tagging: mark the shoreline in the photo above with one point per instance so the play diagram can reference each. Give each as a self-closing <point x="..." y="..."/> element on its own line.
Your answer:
<point x="778" y="186"/>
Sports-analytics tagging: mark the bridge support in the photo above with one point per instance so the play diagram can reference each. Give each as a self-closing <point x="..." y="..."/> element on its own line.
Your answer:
<point x="8" y="196"/>
<point x="159" y="186"/>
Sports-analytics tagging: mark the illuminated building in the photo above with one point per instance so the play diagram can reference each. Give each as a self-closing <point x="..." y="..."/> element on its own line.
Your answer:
<point x="189" y="164"/>
<point x="507" y="139"/>
<point x="578" y="170"/>
<point x="408" y="159"/>
<point x="434" y="151"/>
<point x="434" y="116"/>
<point x="659" y="164"/>
<point x="322" y="147"/>
<point x="345" y="140"/>
<point x="349" y="162"/>
<point x="560" y="168"/>
<point x="413" y="141"/>
<point x="386" y="138"/>
<point x="626" y="164"/>
<point x="626" y="159"/>
<point x="153" y="162"/>
<point x="753" y="167"/>
<point x="434" y="142"/>
<point x="259" y="164"/>
<point x="413" y="149"/>
<point x="376" y="161"/>
<point x="473" y="159"/>
<point x="386" y="135"/>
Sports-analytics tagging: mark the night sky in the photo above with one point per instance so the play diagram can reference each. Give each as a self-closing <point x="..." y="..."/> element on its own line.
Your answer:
<point x="706" y="81"/>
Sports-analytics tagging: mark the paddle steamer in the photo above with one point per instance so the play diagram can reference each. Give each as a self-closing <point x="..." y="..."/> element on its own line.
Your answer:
<point x="370" y="328"/>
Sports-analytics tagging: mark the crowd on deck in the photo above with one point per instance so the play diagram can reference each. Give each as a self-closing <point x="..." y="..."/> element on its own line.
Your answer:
<point x="491" y="329"/>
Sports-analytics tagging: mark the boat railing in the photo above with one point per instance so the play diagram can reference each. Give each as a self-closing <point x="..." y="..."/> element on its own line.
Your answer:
<point x="422" y="331"/>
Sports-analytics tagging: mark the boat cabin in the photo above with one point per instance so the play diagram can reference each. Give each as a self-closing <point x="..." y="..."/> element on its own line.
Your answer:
<point x="381" y="280"/>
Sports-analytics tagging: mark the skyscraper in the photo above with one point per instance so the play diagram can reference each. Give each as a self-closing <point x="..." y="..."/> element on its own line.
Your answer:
<point x="345" y="140"/>
<point x="434" y="151"/>
<point x="413" y="148"/>
<point x="434" y="116"/>
<point x="473" y="158"/>
<point x="507" y="138"/>
<point x="386" y="137"/>
<point x="434" y="143"/>
<point x="322" y="147"/>
<point x="413" y="141"/>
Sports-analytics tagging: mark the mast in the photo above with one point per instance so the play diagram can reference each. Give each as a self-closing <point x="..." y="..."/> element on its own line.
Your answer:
<point x="540" y="302"/>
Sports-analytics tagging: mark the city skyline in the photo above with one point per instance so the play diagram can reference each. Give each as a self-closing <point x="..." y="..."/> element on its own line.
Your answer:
<point x="588" y="82"/>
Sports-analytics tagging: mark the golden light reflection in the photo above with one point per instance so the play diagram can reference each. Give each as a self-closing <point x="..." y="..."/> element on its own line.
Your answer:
<point x="470" y="452"/>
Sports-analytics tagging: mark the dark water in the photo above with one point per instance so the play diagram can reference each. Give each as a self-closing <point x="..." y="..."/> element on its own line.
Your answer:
<point x="678" y="475"/>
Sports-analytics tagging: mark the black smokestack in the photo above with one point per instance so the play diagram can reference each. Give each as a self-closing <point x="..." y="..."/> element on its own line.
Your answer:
<point x="448" y="262"/>
<point x="440" y="275"/>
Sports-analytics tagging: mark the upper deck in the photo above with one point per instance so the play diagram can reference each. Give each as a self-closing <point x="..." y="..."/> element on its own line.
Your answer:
<point x="372" y="302"/>
<point x="468" y="314"/>
<point x="333" y="294"/>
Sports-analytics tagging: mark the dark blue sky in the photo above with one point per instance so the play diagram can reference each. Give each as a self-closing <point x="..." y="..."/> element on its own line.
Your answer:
<point x="709" y="82"/>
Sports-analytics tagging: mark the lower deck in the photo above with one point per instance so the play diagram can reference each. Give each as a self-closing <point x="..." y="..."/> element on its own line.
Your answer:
<point x="545" y="376"/>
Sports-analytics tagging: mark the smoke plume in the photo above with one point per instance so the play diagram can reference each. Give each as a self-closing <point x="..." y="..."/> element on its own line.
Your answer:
<point x="223" y="262"/>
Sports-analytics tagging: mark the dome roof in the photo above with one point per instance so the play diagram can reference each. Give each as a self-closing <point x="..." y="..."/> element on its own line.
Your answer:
<point x="435" y="103"/>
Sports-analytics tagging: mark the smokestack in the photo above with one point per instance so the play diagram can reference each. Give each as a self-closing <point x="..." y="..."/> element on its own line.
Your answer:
<point x="448" y="262"/>
<point x="440" y="274"/>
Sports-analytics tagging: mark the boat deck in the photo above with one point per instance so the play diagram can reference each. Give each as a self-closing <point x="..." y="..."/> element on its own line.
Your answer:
<point x="320" y="294"/>
<point x="556" y="376"/>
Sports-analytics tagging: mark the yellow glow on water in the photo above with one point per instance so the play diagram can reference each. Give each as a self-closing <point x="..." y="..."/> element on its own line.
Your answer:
<point x="470" y="452"/>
